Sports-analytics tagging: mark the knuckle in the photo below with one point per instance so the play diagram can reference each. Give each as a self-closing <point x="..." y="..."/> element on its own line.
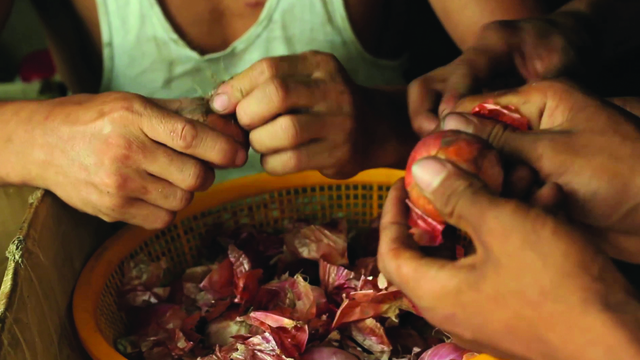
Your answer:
<point x="290" y="128"/>
<point x="295" y="161"/>
<point x="345" y="99"/>
<point x="115" y="206"/>
<point x="497" y="135"/>
<point x="115" y="183"/>
<point x="183" y="199"/>
<point x="267" y="68"/>
<point x="196" y="178"/>
<point x="277" y="92"/>
<point x="163" y="219"/>
<point x="451" y="202"/>
<point x="185" y="135"/>
<point x="119" y="151"/>
<point x="326" y="61"/>
<point x="123" y="104"/>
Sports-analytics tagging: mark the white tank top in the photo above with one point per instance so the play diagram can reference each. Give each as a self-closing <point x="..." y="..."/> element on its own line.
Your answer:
<point x="143" y="54"/>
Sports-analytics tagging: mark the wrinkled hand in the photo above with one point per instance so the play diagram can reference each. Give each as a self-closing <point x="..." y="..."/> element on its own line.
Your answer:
<point x="506" y="53"/>
<point x="305" y="113"/>
<point x="122" y="157"/>
<point x="535" y="289"/>
<point x="587" y="146"/>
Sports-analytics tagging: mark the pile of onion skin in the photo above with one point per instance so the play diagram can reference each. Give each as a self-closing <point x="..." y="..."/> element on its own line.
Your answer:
<point x="312" y="292"/>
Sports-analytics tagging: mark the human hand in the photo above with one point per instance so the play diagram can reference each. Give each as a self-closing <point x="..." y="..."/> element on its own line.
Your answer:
<point x="122" y="157"/>
<point x="506" y="53"/>
<point x="535" y="288"/>
<point x="587" y="146"/>
<point x="305" y="113"/>
<point x="629" y="103"/>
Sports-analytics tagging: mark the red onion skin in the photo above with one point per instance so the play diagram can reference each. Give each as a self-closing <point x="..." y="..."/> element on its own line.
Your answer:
<point x="469" y="152"/>
<point x="327" y="353"/>
<point x="446" y="351"/>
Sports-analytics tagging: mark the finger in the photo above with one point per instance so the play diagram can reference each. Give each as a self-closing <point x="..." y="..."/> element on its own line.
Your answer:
<point x="139" y="213"/>
<point x="287" y="132"/>
<point x="316" y="155"/>
<point x="181" y="170"/>
<point x="277" y="96"/>
<point x="423" y="97"/>
<point x="529" y="103"/>
<point x="228" y="126"/>
<point x="630" y="104"/>
<point x="198" y="109"/>
<point x="519" y="182"/>
<point x="229" y="94"/>
<point x="191" y="108"/>
<point x="194" y="138"/>
<point x="525" y="146"/>
<point x="399" y="257"/>
<point x="549" y="198"/>
<point x="540" y="102"/>
<point x="461" y="83"/>
<point x="162" y="193"/>
<point x="461" y="199"/>
<point x="621" y="246"/>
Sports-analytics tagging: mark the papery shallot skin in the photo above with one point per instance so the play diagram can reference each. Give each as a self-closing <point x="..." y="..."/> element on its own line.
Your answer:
<point x="505" y="114"/>
<point x="227" y="309"/>
<point x="469" y="152"/>
<point x="446" y="351"/>
<point x="327" y="353"/>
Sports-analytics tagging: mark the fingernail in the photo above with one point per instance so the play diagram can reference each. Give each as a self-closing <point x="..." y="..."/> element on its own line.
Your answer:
<point x="220" y="102"/>
<point x="241" y="158"/>
<point x="458" y="122"/>
<point x="428" y="173"/>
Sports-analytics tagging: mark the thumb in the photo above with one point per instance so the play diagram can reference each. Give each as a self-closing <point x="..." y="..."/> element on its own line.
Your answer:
<point x="462" y="199"/>
<point x="520" y="145"/>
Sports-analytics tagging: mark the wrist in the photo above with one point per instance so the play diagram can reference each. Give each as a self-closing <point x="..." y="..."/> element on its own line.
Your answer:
<point x="612" y="334"/>
<point x="18" y="142"/>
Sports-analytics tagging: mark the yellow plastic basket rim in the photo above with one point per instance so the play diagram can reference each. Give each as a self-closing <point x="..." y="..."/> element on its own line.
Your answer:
<point x="104" y="262"/>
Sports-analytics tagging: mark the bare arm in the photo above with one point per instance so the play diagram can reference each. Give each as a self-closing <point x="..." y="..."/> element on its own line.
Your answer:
<point x="463" y="19"/>
<point x="15" y="140"/>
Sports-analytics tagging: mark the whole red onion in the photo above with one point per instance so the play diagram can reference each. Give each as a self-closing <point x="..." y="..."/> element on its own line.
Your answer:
<point x="469" y="152"/>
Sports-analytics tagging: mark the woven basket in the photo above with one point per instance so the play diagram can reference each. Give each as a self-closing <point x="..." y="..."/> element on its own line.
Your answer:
<point x="261" y="200"/>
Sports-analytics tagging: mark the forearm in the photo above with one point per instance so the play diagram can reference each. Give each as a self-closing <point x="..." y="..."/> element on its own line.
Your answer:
<point x="17" y="141"/>
<point x="617" y="338"/>
<point x="463" y="19"/>
<point x="609" y="330"/>
<point x="390" y="137"/>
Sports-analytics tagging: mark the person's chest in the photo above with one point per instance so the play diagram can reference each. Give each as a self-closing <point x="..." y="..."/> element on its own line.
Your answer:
<point x="211" y="26"/>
